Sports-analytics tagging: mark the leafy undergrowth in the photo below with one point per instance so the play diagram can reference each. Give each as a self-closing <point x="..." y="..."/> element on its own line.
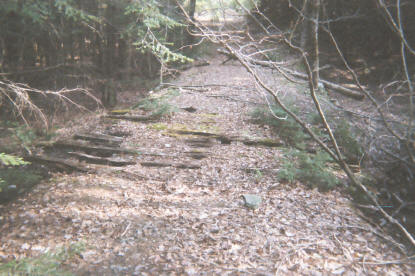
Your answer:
<point x="310" y="169"/>
<point x="299" y="164"/>
<point x="158" y="106"/>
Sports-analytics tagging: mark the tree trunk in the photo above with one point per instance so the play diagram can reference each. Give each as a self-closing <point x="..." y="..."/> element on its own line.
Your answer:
<point x="315" y="51"/>
<point x="192" y="8"/>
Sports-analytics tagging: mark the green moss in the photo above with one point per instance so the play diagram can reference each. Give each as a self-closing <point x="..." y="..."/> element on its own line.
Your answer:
<point x="158" y="126"/>
<point x="120" y="111"/>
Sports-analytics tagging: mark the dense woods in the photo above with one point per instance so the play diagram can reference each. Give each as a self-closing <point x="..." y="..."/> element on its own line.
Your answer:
<point x="56" y="44"/>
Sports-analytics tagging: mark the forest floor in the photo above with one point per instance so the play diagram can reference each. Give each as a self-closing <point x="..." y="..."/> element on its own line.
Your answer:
<point x="141" y="220"/>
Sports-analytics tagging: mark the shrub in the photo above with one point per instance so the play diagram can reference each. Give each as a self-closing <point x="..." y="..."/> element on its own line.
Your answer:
<point x="347" y="141"/>
<point x="286" y="127"/>
<point x="159" y="106"/>
<point x="309" y="169"/>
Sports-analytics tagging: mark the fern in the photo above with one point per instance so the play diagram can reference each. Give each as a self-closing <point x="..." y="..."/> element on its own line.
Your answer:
<point x="309" y="169"/>
<point x="10" y="160"/>
<point x="150" y="26"/>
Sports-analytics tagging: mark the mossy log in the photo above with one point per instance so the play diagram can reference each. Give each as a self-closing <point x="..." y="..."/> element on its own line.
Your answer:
<point x="99" y="138"/>
<point x="262" y="142"/>
<point x="120" y="111"/>
<point x="207" y="142"/>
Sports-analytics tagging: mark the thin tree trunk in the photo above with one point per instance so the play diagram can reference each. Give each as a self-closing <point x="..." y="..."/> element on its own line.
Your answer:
<point x="316" y="54"/>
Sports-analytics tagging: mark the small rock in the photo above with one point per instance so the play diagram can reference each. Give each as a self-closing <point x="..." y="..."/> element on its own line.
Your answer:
<point x="252" y="201"/>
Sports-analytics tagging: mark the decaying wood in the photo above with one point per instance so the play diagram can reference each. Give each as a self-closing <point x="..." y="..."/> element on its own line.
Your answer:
<point x="97" y="150"/>
<point x="197" y="154"/>
<point x="134" y="118"/>
<point x="222" y="138"/>
<point x="343" y="90"/>
<point x="190" y="109"/>
<point x="170" y="164"/>
<point x="200" y="142"/>
<point x="207" y="142"/>
<point x="120" y="111"/>
<point x="101" y="160"/>
<point x="99" y="138"/>
<point x="262" y="142"/>
<point x="58" y="163"/>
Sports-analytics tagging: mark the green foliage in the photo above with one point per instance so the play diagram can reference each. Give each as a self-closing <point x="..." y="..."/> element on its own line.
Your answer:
<point x="309" y="169"/>
<point x="50" y="263"/>
<point x="9" y="160"/>
<point x="347" y="141"/>
<point x="25" y="135"/>
<point x="285" y="126"/>
<point x="158" y="106"/>
<point x="149" y="27"/>
<point x="288" y="171"/>
<point x="68" y="8"/>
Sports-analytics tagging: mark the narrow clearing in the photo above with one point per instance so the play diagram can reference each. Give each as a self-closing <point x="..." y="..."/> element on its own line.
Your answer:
<point x="177" y="205"/>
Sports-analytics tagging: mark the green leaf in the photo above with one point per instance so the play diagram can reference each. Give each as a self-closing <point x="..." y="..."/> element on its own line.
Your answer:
<point x="10" y="160"/>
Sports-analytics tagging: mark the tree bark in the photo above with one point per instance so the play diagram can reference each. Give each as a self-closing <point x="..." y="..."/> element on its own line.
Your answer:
<point x="315" y="56"/>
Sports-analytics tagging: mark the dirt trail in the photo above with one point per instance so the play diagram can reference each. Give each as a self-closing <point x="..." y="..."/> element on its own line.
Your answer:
<point x="140" y="220"/>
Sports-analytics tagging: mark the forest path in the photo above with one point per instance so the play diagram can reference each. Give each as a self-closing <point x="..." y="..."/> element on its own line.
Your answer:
<point x="144" y="220"/>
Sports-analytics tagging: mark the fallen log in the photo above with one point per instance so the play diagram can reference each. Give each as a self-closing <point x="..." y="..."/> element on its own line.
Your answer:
<point x="96" y="150"/>
<point x="200" y="142"/>
<point x="197" y="154"/>
<point x="101" y="160"/>
<point x="222" y="138"/>
<point x="189" y="109"/>
<point x="343" y="90"/>
<point x="99" y="138"/>
<point x="225" y="139"/>
<point x="169" y="164"/>
<point x="133" y="118"/>
<point x="262" y="142"/>
<point x="58" y="163"/>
